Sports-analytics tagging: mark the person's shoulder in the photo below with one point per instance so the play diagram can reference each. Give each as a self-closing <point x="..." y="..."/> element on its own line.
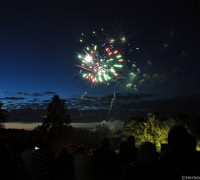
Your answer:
<point x="166" y="155"/>
<point x="97" y="151"/>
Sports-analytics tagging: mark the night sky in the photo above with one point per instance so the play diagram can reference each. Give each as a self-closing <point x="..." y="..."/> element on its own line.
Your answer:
<point x="39" y="41"/>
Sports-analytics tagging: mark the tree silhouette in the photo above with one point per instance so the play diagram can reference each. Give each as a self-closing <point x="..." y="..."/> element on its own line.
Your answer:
<point x="3" y="117"/>
<point x="57" y="116"/>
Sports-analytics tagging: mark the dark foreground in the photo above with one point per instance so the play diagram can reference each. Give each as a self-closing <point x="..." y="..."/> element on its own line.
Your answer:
<point x="36" y="160"/>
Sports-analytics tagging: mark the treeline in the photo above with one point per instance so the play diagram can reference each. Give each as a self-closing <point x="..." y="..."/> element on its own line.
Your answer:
<point x="57" y="130"/>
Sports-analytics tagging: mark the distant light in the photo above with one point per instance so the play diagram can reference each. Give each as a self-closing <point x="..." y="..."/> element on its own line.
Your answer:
<point x="79" y="56"/>
<point x="112" y="70"/>
<point x="112" y="41"/>
<point x="88" y="58"/>
<point x="107" y="49"/>
<point x="120" y="60"/>
<point x="118" y="65"/>
<point x="110" y="60"/>
<point x="165" y="45"/>
<point x="128" y="85"/>
<point x="115" y="52"/>
<point x="118" y="56"/>
<point x="123" y="39"/>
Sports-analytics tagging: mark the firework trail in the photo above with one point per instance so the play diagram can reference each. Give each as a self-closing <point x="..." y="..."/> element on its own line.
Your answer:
<point x="111" y="104"/>
<point x="82" y="97"/>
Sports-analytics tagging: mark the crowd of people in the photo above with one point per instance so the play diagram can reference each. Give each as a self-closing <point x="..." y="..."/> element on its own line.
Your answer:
<point x="37" y="161"/>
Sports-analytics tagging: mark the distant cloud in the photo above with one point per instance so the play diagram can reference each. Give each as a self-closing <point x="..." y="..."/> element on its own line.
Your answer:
<point x="23" y="93"/>
<point x="6" y="92"/>
<point x="46" y="101"/>
<point x="33" y="100"/>
<point x="93" y="103"/>
<point x="49" y="93"/>
<point x="14" y="98"/>
<point x="37" y="94"/>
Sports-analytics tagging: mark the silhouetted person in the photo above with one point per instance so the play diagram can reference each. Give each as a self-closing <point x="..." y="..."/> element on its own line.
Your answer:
<point x="128" y="152"/>
<point x="26" y="157"/>
<point x="7" y="163"/>
<point x="104" y="162"/>
<point x="131" y="148"/>
<point x="65" y="164"/>
<point x="179" y="160"/>
<point x="42" y="162"/>
<point x="82" y="164"/>
<point x="145" y="166"/>
<point x="147" y="153"/>
<point x="123" y="156"/>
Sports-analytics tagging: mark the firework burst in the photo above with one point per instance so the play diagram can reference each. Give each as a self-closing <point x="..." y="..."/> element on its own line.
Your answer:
<point x="103" y="63"/>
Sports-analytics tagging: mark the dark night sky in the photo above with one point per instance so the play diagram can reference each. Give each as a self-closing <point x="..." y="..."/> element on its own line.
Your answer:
<point x="39" y="41"/>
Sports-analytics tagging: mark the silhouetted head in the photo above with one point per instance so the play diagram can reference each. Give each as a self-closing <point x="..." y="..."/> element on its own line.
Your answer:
<point x="41" y="142"/>
<point x="65" y="149"/>
<point x="81" y="149"/>
<point x="28" y="143"/>
<point x="146" y="152"/>
<point x="131" y="141"/>
<point x="178" y="138"/>
<point x="105" y="143"/>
